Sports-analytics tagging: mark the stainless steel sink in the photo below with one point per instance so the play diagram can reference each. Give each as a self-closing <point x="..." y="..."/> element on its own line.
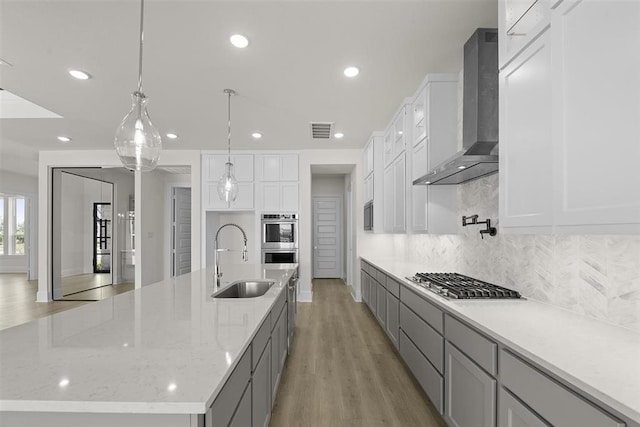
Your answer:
<point x="245" y="289"/>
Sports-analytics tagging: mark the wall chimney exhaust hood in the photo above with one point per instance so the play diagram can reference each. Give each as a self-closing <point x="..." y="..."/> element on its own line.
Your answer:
<point x="479" y="156"/>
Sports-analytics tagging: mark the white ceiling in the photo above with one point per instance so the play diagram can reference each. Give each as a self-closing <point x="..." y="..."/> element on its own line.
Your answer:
<point x="290" y="75"/>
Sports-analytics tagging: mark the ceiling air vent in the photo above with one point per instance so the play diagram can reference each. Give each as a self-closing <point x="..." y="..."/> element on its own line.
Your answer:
<point x="321" y="130"/>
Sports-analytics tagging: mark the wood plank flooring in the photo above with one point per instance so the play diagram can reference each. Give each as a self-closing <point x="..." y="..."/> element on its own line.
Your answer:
<point x="18" y="299"/>
<point x="343" y="371"/>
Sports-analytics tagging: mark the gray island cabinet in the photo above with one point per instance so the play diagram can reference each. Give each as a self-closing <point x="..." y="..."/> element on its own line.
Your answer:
<point x="481" y="364"/>
<point x="190" y="361"/>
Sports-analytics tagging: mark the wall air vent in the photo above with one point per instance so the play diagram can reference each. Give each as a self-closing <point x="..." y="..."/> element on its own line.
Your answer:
<point x="321" y="130"/>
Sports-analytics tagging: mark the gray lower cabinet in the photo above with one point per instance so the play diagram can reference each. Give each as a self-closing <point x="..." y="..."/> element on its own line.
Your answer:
<point x="393" y="318"/>
<point x="242" y="417"/>
<point x="373" y="295"/>
<point x="470" y="393"/>
<point x="224" y="407"/>
<point x="278" y="351"/>
<point x="261" y="389"/>
<point x="551" y="400"/>
<point x="512" y="413"/>
<point x="381" y="311"/>
<point x="364" y="286"/>
<point x="428" y="340"/>
<point x="428" y="377"/>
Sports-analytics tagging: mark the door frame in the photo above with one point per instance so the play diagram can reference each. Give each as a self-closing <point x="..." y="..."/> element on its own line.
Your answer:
<point x="340" y="232"/>
<point x="169" y="237"/>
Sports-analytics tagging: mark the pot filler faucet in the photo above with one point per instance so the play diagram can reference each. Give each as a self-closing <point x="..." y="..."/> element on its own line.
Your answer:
<point x="245" y="257"/>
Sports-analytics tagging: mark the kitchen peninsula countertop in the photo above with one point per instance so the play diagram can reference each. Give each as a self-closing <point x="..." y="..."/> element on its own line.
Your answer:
<point x="167" y="348"/>
<point x="596" y="357"/>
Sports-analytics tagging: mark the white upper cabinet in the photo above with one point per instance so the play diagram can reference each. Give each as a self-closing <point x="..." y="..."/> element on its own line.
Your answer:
<point x="596" y="108"/>
<point x="520" y="22"/>
<point x="213" y="166"/>
<point x="277" y="167"/>
<point x="373" y="170"/>
<point x="525" y="171"/>
<point x="278" y="186"/>
<point x="434" y="130"/>
<point x="579" y="83"/>
<point x="396" y="135"/>
<point x="368" y="158"/>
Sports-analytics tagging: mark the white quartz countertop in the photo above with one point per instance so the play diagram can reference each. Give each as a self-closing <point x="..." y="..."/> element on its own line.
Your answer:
<point x="601" y="359"/>
<point x="167" y="348"/>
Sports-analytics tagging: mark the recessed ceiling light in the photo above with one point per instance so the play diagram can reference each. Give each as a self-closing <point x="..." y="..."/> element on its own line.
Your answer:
<point x="351" y="71"/>
<point x="239" y="41"/>
<point x="338" y="135"/>
<point x="80" y="75"/>
<point x="256" y="135"/>
<point x="462" y="167"/>
<point x="63" y="383"/>
<point x="427" y="182"/>
<point x="172" y="136"/>
<point x="64" y="139"/>
<point x="172" y="387"/>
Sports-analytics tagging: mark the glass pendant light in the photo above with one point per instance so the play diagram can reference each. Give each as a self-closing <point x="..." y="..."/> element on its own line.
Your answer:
<point x="227" y="185"/>
<point x="138" y="142"/>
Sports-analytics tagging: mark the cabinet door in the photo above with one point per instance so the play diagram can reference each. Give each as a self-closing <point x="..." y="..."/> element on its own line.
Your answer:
<point x="470" y="393"/>
<point x="215" y="166"/>
<point x="519" y="22"/>
<point x="381" y="311"/>
<point x="596" y="104"/>
<point x="373" y="295"/>
<point x="276" y="344"/>
<point x="419" y="192"/>
<point x="270" y="165"/>
<point x="289" y="167"/>
<point x="289" y="197"/>
<point x="512" y="413"/>
<point x="419" y="117"/>
<point x="284" y="341"/>
<point x="400" y="132"/>
<point x="211" y="199"/>
<point x="261" y="389"/>
<point x="399" y="218"/>
<point x="389" y="199"/>
<point x="270" y="196"/>
<point x="388" y="143"/>
<point x="368" y="158"/>
<point x="525" y="171"/>
<point x="368" y="188"/>
<point x="244" y="199"/>
<point x="242" y="417"/>
<point x="393" y="318"/>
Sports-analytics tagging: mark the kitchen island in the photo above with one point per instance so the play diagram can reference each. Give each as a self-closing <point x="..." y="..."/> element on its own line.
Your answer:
<point x="158" y="356"/>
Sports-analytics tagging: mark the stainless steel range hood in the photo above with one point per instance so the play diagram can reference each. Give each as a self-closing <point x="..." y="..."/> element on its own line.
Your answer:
<point x="479" y="156"/>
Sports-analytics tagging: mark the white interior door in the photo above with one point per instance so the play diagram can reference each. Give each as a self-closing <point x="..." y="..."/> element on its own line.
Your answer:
<point x="327" y="237"/>
<point x="181" y="260"/>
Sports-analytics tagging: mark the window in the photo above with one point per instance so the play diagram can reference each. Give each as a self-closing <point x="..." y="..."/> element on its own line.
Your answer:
<point x="12" y="224"/>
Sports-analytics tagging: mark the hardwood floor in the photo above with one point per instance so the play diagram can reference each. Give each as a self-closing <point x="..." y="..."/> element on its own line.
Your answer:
<point x="343" y="371"/>
<point x="18" y="299"/>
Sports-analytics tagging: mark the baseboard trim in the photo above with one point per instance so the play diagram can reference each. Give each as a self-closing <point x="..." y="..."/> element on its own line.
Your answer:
<point x="305" y="296"/>
<point x="355" y="294"/>
<point x="12" y="269"/>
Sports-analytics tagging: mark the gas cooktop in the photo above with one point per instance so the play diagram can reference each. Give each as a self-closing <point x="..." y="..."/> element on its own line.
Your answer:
<point x="458" y="286"/>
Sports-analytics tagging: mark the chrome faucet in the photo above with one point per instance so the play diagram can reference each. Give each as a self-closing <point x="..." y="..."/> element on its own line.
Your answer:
<point x="245" y="255"/>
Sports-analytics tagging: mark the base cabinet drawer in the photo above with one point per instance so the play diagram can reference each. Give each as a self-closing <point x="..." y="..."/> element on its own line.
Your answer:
<point x="430" y="342"/>
<point x="470" y="393"/>
<point x="481" y="350"/>
<point x="430" y="380"/>
<point x="512" y="413"/>
<point x="427" y="311"/>
<point x="552" y="401"/>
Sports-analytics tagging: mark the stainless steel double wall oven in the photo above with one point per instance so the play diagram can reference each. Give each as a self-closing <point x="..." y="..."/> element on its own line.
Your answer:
<point x="279" y="238"/>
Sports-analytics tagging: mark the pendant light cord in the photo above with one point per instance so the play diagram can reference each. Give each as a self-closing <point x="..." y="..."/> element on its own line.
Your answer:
<point x="229" y="92"/>
<point x="141" y="41"/>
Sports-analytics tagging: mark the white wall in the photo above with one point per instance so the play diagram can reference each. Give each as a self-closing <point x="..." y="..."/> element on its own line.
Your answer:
<point x="307" y="159"/>
<point x="151" y="249"/>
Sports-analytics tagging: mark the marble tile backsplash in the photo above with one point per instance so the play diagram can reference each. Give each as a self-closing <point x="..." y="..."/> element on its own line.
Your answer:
<point x="596" y="275"/>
